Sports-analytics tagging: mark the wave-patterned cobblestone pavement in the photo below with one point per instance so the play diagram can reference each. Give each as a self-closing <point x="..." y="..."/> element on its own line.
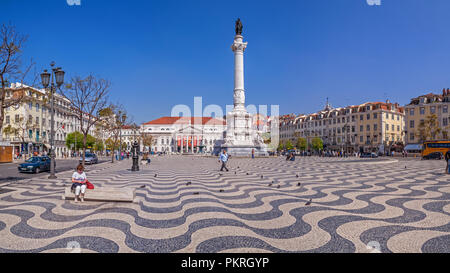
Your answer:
<point x="261" y="205"/>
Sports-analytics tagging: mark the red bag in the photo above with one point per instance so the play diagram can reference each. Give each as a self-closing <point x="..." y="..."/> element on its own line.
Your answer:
<point x="89" y="185"/>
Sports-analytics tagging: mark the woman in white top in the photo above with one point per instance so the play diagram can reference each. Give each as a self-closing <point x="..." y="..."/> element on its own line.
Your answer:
<point x="79" y="182"/>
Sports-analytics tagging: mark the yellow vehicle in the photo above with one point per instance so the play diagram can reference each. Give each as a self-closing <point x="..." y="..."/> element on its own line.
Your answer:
<point x="434" y="148"/>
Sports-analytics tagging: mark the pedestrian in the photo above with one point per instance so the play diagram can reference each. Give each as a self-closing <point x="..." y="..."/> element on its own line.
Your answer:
<point x="224" y="160"/>
<point x="253" y="153"/>
<point x="79" y="181"/>
<point x="447" y="158"/>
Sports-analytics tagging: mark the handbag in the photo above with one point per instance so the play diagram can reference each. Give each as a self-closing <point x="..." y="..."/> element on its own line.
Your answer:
<point x="89" y="185"/>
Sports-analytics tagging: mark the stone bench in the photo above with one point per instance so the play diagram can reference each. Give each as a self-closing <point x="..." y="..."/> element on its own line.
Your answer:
<point x="105" y="194"/>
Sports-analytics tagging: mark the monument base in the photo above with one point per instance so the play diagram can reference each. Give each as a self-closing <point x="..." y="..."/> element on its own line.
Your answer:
<point x="245" y="150"/>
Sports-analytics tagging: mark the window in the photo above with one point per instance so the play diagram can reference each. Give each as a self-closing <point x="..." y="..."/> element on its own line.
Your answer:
<point x="393" y="127"/>
<point x="387" y="127"/>
<point x="368" y="127"/>
<point x="30" y="105"/>
<point x="411" y="112"/>
<point x="445" y="109"/>
<point x="16" y="118"/>
<point x="361" y="117"/>
<point x="375" y="127"/>
<point x="361" y="139"/>
<point x="353" y="129"/>
<point x="398" y="128"/>
<point x="37" y="107"/>
<point x="393" y="116"/>
<point x="411" y="124"/>
<point x="7" y="120"/>
<point x="361" y="128"/>
<point x="368" y="116"/>
<point x="433" y="109"/>
<point x="411" y="136"/>
<point x="445" y="121"/>
<point x="422" y="110"/>
<point x="37" y="120"/>
<point x="375" y="115"/>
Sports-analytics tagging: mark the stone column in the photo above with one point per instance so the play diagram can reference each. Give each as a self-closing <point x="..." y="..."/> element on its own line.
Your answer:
<point x="181" y="147"/>
<point x="238" y="48"/>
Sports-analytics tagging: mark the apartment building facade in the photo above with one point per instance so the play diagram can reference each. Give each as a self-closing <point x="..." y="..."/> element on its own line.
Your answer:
<point x="422" y="107"/>
<point x="373" y="126"/>
<point x="27" y="125"/>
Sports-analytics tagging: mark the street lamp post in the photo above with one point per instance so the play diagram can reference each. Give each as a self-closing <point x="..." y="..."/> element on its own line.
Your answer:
<point x="58" y="75"/>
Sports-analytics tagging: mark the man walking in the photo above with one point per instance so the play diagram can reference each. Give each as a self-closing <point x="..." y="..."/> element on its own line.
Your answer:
<point x="447" y="158"/>
<point x="224" y="160"/>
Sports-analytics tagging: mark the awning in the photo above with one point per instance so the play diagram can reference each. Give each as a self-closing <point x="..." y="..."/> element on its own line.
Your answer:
<point x="413" y="147"/>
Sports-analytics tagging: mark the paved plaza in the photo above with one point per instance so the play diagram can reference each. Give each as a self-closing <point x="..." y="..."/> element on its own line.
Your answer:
<point x="186" y="205"/>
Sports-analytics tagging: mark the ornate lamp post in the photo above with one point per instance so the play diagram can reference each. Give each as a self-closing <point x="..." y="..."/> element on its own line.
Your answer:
<point x="58" y="75"/>
<point x="135" y="149"/>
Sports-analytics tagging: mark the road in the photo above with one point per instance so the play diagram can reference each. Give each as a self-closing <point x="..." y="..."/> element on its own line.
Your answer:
<point x="9" y="172"/>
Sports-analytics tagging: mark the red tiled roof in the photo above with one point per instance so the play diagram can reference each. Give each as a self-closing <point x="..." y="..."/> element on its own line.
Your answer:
<point x="186" y="120"/>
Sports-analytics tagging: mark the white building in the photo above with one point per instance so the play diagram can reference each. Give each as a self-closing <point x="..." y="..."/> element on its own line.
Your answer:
<point x="186" y="134"/>
<point x="31" y="118"/>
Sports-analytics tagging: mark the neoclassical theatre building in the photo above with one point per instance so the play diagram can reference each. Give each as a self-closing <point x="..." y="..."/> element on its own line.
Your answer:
<point x="186" y="134"/>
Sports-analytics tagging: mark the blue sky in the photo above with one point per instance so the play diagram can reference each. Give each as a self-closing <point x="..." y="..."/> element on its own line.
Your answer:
<point x="161" y="53"/>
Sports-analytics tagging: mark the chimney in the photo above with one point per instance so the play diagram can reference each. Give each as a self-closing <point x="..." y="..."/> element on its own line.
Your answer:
<point x="444" y="92"/>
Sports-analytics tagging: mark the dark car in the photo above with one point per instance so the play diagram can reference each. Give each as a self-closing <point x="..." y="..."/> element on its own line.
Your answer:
<point x="368" y="155"/>
<point x="35" y="164"/>
<point x="89" y="158"/>
<point x="435" y="155"/>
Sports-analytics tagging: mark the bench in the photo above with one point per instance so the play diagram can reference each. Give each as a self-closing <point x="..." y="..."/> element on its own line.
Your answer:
<point x="104" y="194"/>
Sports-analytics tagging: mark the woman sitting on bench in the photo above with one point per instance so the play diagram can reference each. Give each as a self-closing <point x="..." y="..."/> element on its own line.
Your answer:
<point x="79" y="180"/>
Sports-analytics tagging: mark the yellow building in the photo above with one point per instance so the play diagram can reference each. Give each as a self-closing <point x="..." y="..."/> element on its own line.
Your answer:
<point x="380" y="127"/>
<point x="420" y="108"/>
<point x="373" y="126"/>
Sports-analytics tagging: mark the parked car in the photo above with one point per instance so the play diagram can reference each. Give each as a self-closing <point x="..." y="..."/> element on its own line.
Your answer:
<point x="90" y="159"/>
<point x="368" y="155"/>
<point x="435" y="155"/>
<point x="35" y="164"/>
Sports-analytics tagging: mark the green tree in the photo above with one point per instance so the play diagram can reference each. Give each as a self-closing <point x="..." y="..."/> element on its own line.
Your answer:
<point x="75" y="141"/>
<point x="429" y="129"/>
<point x="317" y="144"/>
<point x="99" y="145"/>
<point x="289" y="145"/>
<point x="111" y="144"/>
<point x="301" y="143"/>
<point x="280" y="145"/>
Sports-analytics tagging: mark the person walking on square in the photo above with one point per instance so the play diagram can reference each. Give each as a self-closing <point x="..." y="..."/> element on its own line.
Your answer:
<point x="224" y="160"/>
<point x="253" y="153"/>
<point x="79" y="181"/>
<point x="447" y="158"/>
